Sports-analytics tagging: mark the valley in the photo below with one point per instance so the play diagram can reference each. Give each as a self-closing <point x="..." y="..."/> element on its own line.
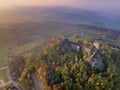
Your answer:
<point x="29" y="49"/>
<point x="59" y="45"/>
<point x="27" y="44"/>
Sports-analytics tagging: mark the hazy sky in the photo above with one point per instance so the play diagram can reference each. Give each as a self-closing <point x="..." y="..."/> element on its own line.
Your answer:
<point x="88" y="4"/>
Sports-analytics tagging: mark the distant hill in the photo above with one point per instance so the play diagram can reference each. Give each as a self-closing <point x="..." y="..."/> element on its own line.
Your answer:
<point x="60" y="14"/>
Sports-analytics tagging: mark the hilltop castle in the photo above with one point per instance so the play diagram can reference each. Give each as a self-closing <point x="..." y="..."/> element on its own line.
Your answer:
<point x="94" y="58"/>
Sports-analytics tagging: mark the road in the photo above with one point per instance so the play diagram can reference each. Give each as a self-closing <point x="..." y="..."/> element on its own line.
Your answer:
<point x="36" y="82"/>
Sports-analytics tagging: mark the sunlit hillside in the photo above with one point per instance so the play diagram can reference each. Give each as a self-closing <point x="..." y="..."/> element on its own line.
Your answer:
<point x="59" y="48"/>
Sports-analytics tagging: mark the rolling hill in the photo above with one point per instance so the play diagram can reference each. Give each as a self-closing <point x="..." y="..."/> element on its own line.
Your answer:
<point x="60" y="14"/>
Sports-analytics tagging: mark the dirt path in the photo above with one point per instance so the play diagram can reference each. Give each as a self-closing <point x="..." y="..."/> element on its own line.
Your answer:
<point x="3" y="68"/>
<point x="2" y="83"/>
<point x="36" y="82"/>
<point x="16" y="84"/>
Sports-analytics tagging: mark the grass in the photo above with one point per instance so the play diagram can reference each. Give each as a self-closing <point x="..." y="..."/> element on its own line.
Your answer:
<point x="118" y="70"/>
<point x="3" y="75"/>
<point x="26" y="47"/>
<point x="2" y="58"/>
<point x="18" y="49"/>
<point x="87" y="37"/>
<point x="117" y="85"/>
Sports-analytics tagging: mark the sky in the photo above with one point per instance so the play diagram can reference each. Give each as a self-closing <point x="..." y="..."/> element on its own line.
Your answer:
<point x="87" y="4"/>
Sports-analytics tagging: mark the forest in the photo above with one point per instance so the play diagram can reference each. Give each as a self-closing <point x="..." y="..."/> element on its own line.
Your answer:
<point x="66" y="71"/>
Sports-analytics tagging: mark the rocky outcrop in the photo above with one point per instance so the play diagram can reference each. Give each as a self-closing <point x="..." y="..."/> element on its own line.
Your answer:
<point x="94" y="58"/>
<point x="64" y="46"/>
<point x="96" y="62"/>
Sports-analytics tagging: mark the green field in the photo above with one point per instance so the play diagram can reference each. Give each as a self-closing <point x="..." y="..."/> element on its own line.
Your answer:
<point x="3" y="75"/>
<point x="26" y="47"/>
<point x="2" y="58"/>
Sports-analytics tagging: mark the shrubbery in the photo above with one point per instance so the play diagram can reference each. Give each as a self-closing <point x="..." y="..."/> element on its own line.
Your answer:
<point x="68" y="71"/>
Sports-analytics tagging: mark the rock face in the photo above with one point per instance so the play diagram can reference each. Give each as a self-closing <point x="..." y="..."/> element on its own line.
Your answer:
<point x="96" y="62"/>
<point x="64" y="46"/>
<point x="94" y="58"/>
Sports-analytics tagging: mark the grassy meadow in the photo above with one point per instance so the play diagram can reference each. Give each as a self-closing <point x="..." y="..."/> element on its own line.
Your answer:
<point x="2" y="58"/>
<point x="26" y="47"/>
<point x="3" y="75"/>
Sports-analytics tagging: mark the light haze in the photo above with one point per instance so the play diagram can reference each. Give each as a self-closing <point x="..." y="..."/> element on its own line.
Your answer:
<point x="87" y="4"/>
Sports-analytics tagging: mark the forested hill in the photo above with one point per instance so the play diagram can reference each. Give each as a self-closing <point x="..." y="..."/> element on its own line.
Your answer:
<point x="67" y="70"/>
